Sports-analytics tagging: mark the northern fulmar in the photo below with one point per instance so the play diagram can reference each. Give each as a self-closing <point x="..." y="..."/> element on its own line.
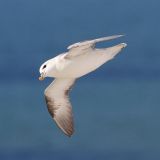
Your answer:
<point x="81" y="59"/>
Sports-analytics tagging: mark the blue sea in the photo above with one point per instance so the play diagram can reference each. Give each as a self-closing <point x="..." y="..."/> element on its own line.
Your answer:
<point x="113" y="120"/>
<point x="116" y="108"/>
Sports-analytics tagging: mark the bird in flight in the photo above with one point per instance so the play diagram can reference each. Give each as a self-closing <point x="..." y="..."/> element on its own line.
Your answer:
<point x="81" y="59"/>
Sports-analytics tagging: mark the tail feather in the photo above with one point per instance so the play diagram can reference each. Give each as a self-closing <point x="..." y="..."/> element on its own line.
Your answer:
<point x="113" y="51"/>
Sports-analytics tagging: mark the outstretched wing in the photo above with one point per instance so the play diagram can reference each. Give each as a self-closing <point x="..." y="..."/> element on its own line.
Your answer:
<point x="58" y="104"/>
<point x="78" y="48"/>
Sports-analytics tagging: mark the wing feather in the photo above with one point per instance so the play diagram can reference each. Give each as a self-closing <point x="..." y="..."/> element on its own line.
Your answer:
<point x="58" y="104"/>
<point x="81" y="47"/>
<point x="91" y="42"/>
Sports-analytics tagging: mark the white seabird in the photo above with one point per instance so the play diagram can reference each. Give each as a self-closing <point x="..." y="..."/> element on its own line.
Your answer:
<point x="82" y="58"/>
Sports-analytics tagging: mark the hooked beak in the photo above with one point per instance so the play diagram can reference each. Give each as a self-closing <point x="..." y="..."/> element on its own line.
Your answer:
<point x="41" y="78"/>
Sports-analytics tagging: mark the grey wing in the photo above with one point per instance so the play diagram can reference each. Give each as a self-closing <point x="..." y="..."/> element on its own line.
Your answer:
<point x="79" y="48"/>
<point x="58" y="104"/>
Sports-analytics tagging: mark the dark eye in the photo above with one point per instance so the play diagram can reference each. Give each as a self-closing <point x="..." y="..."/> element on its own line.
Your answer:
<point x="44" y="66"/>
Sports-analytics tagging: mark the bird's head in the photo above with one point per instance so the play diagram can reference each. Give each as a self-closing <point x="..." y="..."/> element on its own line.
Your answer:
<point x="45" y="70"/>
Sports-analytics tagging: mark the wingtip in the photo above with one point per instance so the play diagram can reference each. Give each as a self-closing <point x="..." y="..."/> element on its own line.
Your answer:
<point x="69" y="134"/>
<point x="120" y="35"/>
<point x="114" y="36"/>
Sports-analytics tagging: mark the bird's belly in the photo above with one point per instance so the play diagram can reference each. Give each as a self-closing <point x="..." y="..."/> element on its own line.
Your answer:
<point x="80" y="66"/>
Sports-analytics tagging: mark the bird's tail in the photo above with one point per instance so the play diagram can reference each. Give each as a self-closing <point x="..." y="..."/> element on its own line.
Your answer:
<point x="111" y="52"/>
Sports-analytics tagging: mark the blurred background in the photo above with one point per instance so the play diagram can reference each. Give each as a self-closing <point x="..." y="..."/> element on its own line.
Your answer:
<point x="116" y="108"/>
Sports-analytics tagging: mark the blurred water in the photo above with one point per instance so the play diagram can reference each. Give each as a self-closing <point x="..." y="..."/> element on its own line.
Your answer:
<point x="116" y="108"/>
<point x="117" y="120"/>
